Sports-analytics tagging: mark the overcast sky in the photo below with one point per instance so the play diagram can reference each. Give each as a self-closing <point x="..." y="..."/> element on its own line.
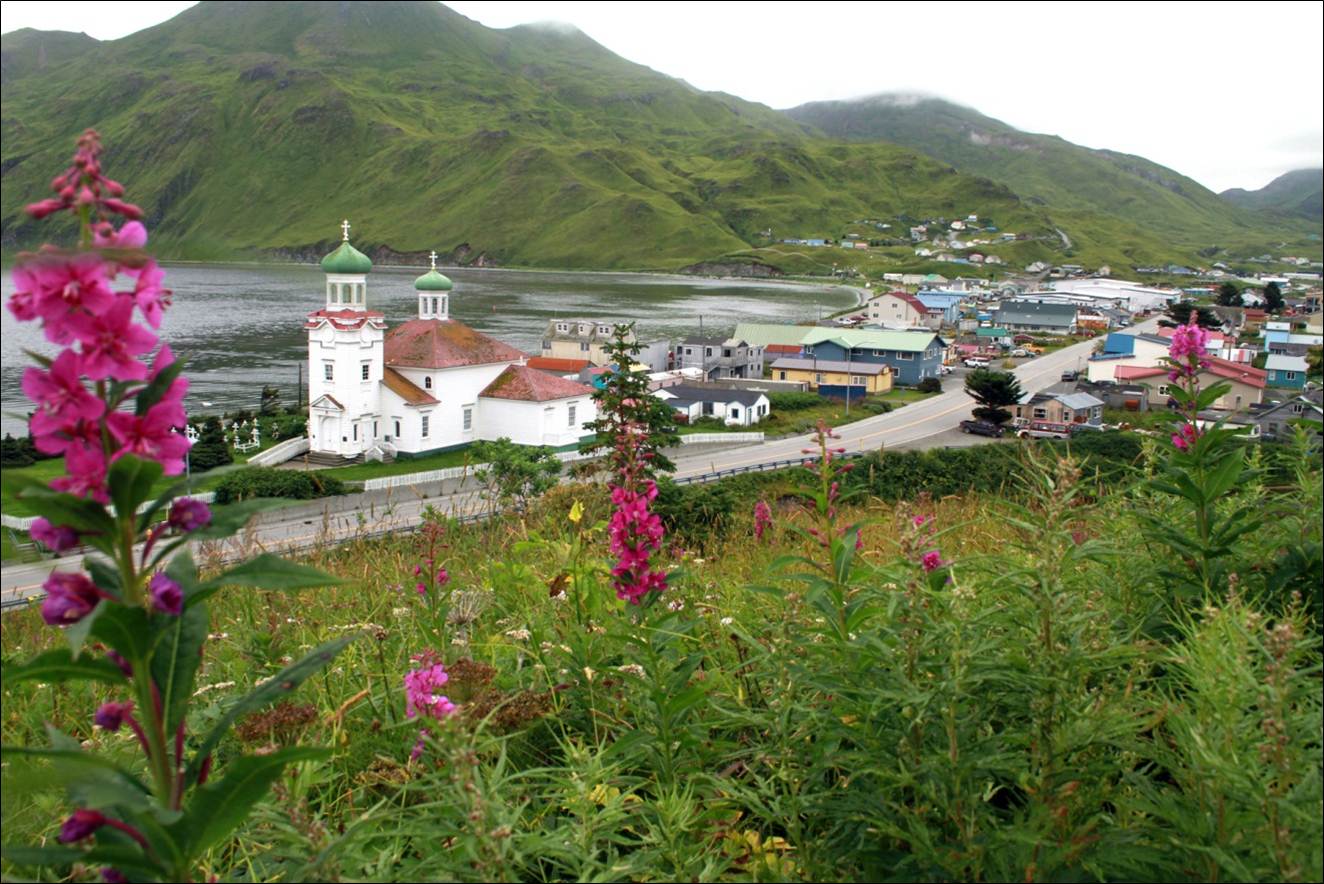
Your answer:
<point x="1230" y="94"/>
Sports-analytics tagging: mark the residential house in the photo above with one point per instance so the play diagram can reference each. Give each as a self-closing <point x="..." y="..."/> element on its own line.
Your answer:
<point x="579" y="339"/>
<point x="834" y="378"/>
<point x="911" y="355"/>
<point x="946" y="304"/>
<point x="1246" y="383"/>
<point x="1286" y="371"/>
<point x="742" y="408"/>
<point x="1022" y="315"/>
<point x="897" y="310"/>
<point x="994" y="337"/>
<point x="1061" y="406"/>
<point x="1275" y="422"/>
<point x="1122" y="350"/>
<point x="721" y="357"/>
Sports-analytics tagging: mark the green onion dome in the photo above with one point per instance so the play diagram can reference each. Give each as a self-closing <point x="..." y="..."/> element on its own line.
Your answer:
<point x="346" y="259"/>
<point x="432" y="281"/>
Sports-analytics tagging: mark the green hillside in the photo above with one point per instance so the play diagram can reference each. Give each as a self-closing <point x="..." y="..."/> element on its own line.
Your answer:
<point x="1096" y="196"/>
<point x="250" y="130"/>
<point x="1298" y="193"/>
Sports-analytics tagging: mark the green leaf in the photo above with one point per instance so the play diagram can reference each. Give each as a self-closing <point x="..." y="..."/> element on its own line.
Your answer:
<point x="176" y="659"/>
<point x="77" y="634"/>
<point x="60" y="666"/>
<point x="269" y="571"/>
<point x="130" y="482"/>
<point x="84" y="516"/>
<point x="275" y="688"/>
<point x="92" y="781"/>
<point x="220" y="807"/>
<point x="127" y="630"/>
<point x="104" y="575"/>
<point x="130" y="860"/>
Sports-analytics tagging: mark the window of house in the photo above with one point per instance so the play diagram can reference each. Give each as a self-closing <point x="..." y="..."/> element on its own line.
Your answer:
<point x="604" y="330"/>
<point x="1291" y="375"/>
<point x="427" y="383"/>
<point x="546" y="344"/>
<point x="689" y="351"/>
<point x="356" y="432"/>
<point x="857" y="380"/>
<point x="1041" y="413"/>
<point x="571" y="413"/>
<point x="468" y="418"/>
<point x="365" y="370"/>
<point x="583" y="346"/>
<point x="734" y="412"/>
<point x="561" y="326"/>
<point x="1163" y="389"/>
<point x="878" y="352"/>
<point x="1298" y="408"/>
<point x="781" y="375"/>
<point x="434" y="305"/>
<point x="328" y="370"/>
<point x="905" y="357"/>
<point x="726" y="352"/>
<point x="374" y="429"/>
<point x="707" y="351"/>
<point x="809" y="349"/>
<point x="427" y="419"/>
<point x="818" y="378"/>
<point x="397" y="427"/>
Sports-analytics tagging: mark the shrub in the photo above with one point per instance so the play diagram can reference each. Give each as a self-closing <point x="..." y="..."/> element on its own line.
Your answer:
<point x="211" y="450"/>
<point x="16" y="452"/>
<point x="793" y="401"/>
<point x="252" y="482"/>
<point x="929" y="385"/>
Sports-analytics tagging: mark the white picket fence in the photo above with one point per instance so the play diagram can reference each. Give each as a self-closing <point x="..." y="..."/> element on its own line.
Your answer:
<point x="23" y="523"/>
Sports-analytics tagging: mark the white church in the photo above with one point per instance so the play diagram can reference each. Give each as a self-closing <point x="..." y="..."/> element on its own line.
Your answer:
<point x="427" y="385"/>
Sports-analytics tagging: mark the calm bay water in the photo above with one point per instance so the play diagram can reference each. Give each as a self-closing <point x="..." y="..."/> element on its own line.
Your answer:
<point x="242" y="327"/>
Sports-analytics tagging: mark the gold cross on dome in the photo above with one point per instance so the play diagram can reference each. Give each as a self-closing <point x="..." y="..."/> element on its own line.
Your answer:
<point x="344" y="226"/>
<point x="432" y="256"/>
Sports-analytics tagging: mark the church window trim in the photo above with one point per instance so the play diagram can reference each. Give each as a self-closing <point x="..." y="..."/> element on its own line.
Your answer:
<point x="365" y="371"/>
<point x="467" y="418"/>
<point x="423" y="426"/>
<point x="328" y="371"/>
<point x="427" y="382"/>
<point x="571" y="410"/>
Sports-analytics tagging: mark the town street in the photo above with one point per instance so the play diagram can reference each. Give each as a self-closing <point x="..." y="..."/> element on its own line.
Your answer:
<point x="319" y="523"/>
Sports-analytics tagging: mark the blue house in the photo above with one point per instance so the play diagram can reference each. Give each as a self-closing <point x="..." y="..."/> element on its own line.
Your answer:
<point x="1286" y="371"/>
<point x="948" y="302"/>
<point x="912" y="355"/>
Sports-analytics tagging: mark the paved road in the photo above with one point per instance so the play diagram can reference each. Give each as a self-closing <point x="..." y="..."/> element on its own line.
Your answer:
<point x="925" y="424"/>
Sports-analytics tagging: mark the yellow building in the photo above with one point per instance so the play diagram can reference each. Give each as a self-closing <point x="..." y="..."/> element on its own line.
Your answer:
<point x="833" y="377"/>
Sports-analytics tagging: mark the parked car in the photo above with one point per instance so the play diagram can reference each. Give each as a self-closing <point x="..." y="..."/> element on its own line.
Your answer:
<point x="976" y="362"/>
<point x="946" y="369"/>
<point x="1022" y="352"/>
<point x="1070" y="375"/>
<point x="982" y="428"/>
<point x="1042" y="430"/>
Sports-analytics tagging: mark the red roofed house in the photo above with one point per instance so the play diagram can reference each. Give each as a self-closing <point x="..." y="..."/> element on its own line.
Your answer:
<point x="897" y="310"/>
<point x="1247" y="383"/>
<point x="429" y="384"/>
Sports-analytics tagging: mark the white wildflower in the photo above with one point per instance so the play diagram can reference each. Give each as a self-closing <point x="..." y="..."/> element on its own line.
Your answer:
<point x="726" y="621"/>
<point x="676" y="605"/>
<point x="632" y="669"/>
<point x="219" y="686"/>
<point x="519" y="635"/>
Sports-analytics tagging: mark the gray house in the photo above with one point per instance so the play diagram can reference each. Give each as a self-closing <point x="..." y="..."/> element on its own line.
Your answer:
<point x="718" y="358"/>
<point x="1275" y="422"/>
<point x="1020" y="315"/>
<point x="733" y="407"/>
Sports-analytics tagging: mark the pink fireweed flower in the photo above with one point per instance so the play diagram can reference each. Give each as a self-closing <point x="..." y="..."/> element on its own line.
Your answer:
<point x="60" y="395"/>
<point x="111" y="343"/>
<point x="443" y="577"/>
<point x="151" y="436"/>
<point x="422" y="697"/>
<point x="762" y="518"/>
<point x="131" y="236"/>
<point x="188" y="515"/>
<point x="1184" y="438"/>
<point x="85" y="466"/>
<point x="421" y="588"/>
<point x="82" y="824"/>
<point x="56" y="538"/>
<point x="932" y="560"/>
<point x="69" y="598"/>
<point x="110" y="716"/>
<point x="919" y="521"/>
<point x="64" y="292"/>
<point x="167" y="596"/>
<point x="1188" y="341"/>
<point x="151" y="297"/>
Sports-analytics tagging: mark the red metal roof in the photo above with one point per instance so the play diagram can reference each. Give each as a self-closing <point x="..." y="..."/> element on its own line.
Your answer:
<point x="526" y="384"/>
<point x="552" y="363"/>
<point x="406" y="389"/>
<point x="444" y="343"/>
<point x="1220" y="368"/>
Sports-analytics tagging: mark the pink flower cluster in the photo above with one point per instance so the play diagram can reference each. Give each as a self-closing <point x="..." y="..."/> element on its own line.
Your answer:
<point x="74" y="297"/>
<point x="635" y="534"/>
<point x="422" y="688"/>
<point x="1186" y="356"/>
<point x="762" y="518"/>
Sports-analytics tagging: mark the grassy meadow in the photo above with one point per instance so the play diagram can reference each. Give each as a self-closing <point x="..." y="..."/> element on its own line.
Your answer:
<point x="1045" y="704"/>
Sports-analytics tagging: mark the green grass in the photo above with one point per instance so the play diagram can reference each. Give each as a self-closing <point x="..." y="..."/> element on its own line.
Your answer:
<point x="831" y="411"/>
<point x="741" y="736"/>
<point x="358" y="472"/>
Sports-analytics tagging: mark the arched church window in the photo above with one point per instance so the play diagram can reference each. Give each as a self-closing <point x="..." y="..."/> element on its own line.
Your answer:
<point x="427" y="383"/>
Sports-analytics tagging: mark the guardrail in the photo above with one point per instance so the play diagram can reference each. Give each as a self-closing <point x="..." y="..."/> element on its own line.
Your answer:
<point x="720" y="438"/>
<point x="765" y="467"/>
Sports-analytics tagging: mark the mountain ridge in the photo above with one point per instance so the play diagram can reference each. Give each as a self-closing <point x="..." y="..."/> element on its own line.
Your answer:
<point x="1299" y="192"/>
<point x="250" y="130"/>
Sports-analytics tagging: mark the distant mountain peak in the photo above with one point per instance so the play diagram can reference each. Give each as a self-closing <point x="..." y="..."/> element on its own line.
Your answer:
<point x="1297" y="193"/>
